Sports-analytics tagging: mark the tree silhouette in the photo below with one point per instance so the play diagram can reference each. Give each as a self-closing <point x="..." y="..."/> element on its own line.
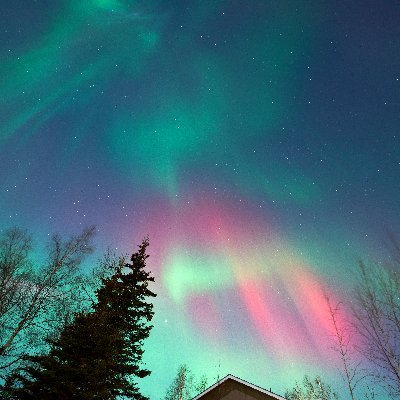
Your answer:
<point x="98" y="354"/>
<point x="184" y="386"/>
<point x="311" y="389"/>
<point x="377" y="320"/>
<point x="36" y="297"/>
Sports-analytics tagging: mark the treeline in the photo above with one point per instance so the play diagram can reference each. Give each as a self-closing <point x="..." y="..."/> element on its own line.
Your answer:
<point x="66" y="334"/>
<point x="69" y="334"/>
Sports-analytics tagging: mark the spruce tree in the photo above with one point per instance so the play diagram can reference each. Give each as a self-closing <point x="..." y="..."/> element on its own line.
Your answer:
<point x="99" y="354"/>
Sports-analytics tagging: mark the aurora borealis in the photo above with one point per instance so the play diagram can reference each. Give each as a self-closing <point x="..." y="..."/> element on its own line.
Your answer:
<point x="255" y="142"/>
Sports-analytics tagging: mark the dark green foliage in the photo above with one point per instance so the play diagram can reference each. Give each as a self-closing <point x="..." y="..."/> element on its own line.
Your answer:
<point x="97" y="355"/>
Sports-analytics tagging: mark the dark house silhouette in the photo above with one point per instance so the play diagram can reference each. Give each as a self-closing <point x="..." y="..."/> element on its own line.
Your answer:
<point x="233" y="388"/>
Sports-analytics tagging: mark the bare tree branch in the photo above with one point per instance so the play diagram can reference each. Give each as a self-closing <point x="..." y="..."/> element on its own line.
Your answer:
<point x="34" y="299"/>
<point x="377" y="320"/>
<point x="350" y="369"/>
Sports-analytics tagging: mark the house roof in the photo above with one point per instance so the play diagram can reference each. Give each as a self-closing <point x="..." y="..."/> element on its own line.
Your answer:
<point x="240" y="382"/>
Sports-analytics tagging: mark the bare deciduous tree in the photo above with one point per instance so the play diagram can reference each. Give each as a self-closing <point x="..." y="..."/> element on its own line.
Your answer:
<point x="311" y="389"/>
<point x="36" y="299"/>
<point x="184" y="386"/>
<point x="342" y="331"/>
<point x="377" y="319"/>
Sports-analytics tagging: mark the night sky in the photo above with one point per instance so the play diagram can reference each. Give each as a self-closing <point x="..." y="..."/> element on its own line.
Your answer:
<point x="255" y="142"/>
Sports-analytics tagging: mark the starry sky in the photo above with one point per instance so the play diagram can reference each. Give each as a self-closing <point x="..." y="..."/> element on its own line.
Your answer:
<point x="255" y="143"/>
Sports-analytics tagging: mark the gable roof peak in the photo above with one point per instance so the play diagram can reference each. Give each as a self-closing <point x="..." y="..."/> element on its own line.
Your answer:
<point x="240" y="381"/>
